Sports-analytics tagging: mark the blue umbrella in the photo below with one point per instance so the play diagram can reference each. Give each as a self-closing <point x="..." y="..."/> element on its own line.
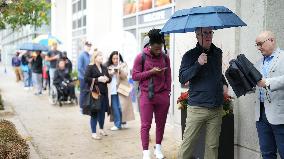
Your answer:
<point x="33" y="47"/>
<point x="187" y="20"/>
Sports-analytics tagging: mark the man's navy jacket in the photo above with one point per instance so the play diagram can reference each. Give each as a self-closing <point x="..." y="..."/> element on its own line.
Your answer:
<point x="205" y="81"/>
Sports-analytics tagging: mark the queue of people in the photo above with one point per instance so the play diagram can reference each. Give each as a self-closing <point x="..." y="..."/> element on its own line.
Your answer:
<point x="37" y="70"/>
<point x="201" y="69"/>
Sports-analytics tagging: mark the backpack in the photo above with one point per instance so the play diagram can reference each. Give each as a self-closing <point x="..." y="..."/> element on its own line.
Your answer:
<point x="144" y="58"/>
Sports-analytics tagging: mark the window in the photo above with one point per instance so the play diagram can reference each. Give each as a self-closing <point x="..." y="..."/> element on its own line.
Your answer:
<point x="159" y="3"/>
<point x="84" y="21"/>
<point x="79" y="23"/>
<point x="84" y="4"/>
<point x="74" y="24"/>
<point x="74" y="8"/>
<point x="79" y="5"/>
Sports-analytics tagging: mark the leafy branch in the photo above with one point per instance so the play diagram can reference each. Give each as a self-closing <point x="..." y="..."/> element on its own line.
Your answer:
<point x="18" y="13"/>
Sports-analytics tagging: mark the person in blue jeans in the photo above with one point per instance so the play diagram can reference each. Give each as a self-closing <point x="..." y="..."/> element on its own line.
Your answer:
<point x="270" y="103"/>
<point x="27" y="72"/>
<point x="121" y="105"/>
<point x="98" y="74"/>
<point x="83" y="62"/>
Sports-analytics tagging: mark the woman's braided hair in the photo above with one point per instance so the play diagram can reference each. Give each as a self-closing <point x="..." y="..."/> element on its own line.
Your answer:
<point x="156" y="37"/>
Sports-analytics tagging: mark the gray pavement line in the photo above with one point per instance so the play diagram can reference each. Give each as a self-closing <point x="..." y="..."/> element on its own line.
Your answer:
<point x="28" y="133"/>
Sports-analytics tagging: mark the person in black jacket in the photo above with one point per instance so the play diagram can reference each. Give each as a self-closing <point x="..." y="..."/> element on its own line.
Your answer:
<point x="68" y="63"/>
<point x="62" y="80"/>
<point x="99" y="74"/>
<point x="36" y="62"/>
<point x="202" y="68"/>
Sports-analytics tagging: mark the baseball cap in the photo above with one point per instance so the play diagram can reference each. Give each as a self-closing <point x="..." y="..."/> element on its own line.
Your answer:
<point x="88" y="43"/>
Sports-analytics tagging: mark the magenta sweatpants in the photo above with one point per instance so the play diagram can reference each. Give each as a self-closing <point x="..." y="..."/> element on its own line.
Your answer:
<point x="159" y="105"/>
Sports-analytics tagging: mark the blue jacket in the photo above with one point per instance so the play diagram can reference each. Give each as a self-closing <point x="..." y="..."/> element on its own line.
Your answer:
<point x="83" y="62"/>
<point x="16" y="61"/>
<point x="205" y="82"/>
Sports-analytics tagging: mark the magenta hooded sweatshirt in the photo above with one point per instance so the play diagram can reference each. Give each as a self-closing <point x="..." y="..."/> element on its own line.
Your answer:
<point x="162" y="82"/>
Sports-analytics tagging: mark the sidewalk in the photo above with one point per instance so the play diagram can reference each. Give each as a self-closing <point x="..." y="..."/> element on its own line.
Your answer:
<point x="63" y="133"/>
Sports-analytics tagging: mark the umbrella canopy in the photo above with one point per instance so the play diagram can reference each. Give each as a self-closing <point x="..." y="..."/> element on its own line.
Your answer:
<point x="187" y="20"/>
<point x="33" y="47"/>
<point x="46" y="39"/>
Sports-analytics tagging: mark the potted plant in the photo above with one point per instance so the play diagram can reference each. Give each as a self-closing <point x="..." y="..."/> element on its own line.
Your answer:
<point x="226" y="139"/>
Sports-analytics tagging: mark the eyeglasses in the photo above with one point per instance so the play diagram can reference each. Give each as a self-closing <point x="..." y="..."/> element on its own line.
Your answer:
<point x="205" y="33"/>
<point x="259" y="44"/>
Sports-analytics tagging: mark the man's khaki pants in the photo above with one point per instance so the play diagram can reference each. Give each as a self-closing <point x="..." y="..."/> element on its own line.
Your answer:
<point x="18" y="73"/>
<point x="196" y="118"/>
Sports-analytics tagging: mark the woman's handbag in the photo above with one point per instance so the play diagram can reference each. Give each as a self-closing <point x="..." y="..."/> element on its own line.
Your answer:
<point x="124" y="89"/>
<point x="92" y="103"/>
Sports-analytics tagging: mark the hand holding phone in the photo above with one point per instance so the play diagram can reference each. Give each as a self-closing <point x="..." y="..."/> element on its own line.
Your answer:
<point x="164" y="68"/>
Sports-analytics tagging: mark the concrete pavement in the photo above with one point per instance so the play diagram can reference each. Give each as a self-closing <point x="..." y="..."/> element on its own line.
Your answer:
<point x="63" y="133"/>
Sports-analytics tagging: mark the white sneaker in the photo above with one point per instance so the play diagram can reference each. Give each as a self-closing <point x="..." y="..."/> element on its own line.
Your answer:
<point x="124" y="126"/>
<point x="146" y="154"/>
<point x="102" y="132"/>
<point x="114" y="128"/>
<point x="26" y="88"/>
<point x="95" y="136"/>
<point x="158" y="152"/>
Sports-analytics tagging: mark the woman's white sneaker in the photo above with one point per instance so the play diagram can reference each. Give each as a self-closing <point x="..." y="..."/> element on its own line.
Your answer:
<point x="95" y="136"/>
<point x="114" y="128"/>
<point x="124" y="126"/>
<point x="102" y="132"/>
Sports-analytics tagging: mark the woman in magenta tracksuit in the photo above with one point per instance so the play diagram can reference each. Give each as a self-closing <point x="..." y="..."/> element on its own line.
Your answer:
<point x="155" y="85"/>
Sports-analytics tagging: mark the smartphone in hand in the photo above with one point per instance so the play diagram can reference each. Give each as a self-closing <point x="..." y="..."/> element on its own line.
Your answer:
<point x="164" y="68"/>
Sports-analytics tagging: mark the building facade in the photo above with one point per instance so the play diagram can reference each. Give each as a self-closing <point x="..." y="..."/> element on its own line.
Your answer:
<point x="79" y="20"/>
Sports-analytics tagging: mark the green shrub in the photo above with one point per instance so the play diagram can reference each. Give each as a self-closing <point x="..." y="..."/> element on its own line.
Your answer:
<point x="74" y="75"/>
<point x="12" y="145"/>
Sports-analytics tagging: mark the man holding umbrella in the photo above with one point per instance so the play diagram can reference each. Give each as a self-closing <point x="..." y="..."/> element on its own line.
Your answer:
<point x="202" y="66"/>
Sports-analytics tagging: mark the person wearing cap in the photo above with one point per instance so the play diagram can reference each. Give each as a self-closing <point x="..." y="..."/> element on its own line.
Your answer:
<point x="82" y="63"/>
<point x="16" y="63"/>
<point x="53" y="56"/>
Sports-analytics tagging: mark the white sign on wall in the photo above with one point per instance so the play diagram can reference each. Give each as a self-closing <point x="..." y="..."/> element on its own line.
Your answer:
<point x="154" y="16"/>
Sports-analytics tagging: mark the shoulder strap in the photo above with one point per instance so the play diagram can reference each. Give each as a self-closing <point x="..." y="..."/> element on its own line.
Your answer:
<point x="92" y="85"/>
<point x="143" y="60"/>
<point x="164" y="58"/>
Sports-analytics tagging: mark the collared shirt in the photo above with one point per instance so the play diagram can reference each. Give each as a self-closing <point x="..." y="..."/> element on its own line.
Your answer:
<point x="267" y="60"/>
<point x="83" y="62"/>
